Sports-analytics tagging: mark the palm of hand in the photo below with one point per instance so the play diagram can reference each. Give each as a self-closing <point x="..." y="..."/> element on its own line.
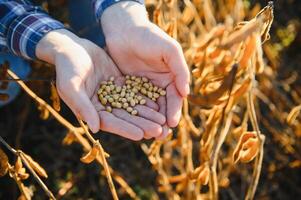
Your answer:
<point x="151" y="53"/>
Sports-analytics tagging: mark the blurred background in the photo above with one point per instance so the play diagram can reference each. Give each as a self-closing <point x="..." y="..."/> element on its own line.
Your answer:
<point x="22" y="127"/>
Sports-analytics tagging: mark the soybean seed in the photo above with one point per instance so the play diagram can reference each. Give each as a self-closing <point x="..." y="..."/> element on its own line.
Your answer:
<point x="142" y="101"/>
<point x="109" y="109"/>
<point x="134" y="112"/>
<point x="129" y="109"/>
<point x="118" y="105"/>
<point x="132" y="102"/>
<point x="125" y="105"/>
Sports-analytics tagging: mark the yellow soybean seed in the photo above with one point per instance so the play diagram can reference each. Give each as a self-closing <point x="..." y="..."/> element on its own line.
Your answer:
<point x="118" y="89"/>
<point x="115" y="96"/>
<point x="113" y="104"/>
<point x="132" y="103"/>
<point x="142" y="101"/>
<point x="162" y="93"/>
<point x="138" y="80"/>
<point x="143" y="91"/>
<point x="150" y="94"/>
<point x="122" y="94"/>
<point x="146" y="85"/>
<point x="109" y="109"/>
<point x="134" y="112"/>
<point x="135" y="90"/>
<point x="156" y="95"/>
<point x="129" y="109"/>
<point x="125" y="105"/>
<point x="144" y="79"/>
<point x="155" y="88"/>
<point x="123" y="100"/>
<point x="108" y="89"/>
<point x="110" y="99"/>
<point x="103" y="101"/>
<point x="118" y="105"/>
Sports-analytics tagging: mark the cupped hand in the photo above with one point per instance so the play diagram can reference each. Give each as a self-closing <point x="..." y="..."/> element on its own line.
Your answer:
<point x="80" y="67"/>
<point x="139" y="47"/>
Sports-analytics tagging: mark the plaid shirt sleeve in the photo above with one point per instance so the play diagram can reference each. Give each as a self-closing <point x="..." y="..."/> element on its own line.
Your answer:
<point x="22" y="25"/>
<point x="99" y="6"/>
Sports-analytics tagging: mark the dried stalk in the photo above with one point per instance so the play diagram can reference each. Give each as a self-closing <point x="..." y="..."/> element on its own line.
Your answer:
<point x="261" y="138"/>
<point x="20" y="154"/>
<point x="74" y="130"/>
<point x="103" y="159"/>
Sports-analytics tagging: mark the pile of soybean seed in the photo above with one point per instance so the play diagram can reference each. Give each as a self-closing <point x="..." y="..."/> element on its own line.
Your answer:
<point x="127" y="96"/>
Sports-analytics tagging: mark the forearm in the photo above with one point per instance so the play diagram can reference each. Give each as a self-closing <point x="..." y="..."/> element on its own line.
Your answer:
<point x="123" y="16"/>
<point x="54" y="43"/>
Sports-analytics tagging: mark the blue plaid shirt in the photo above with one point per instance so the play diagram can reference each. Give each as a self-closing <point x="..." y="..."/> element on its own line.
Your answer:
<point x="22" y="25"/>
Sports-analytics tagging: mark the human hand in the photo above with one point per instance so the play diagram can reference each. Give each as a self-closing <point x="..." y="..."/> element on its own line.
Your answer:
<point x="139" y="47"/>
<point x="80" y="67"/>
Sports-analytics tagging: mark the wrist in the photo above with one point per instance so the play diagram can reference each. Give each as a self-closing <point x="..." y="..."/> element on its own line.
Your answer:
<point x="54" y="43"/>
<point x="122" y="16"/>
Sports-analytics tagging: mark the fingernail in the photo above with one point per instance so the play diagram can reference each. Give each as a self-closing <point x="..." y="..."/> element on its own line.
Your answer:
<point x="92" y="127"/>
<point x="187" y="89"/>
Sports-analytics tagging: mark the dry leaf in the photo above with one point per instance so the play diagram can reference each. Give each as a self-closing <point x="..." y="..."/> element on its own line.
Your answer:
<point x="249" y="51"/>
<point x="212" y="98"/>
<point x="3" y="163"/>
<point x="247" y="147"/>
<point x="92" y="154"/>
<point x="241" y="34"/>
<point x="44" y="113"/>
<point x="292" y="116"/>
<point x="35" y="166"/>
<point x="20" y="171"/>
<point x="201" y="174"/>
<point x="69" y="138"/>
<point x="55" y="98"/>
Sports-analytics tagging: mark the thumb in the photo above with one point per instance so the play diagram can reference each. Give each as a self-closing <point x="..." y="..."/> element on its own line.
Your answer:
<point x="81" y="105"/>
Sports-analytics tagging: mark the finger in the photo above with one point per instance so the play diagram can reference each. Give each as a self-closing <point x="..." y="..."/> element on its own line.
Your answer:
<point x="176" y="62"/>
<point x="80" y="104"/>
<point x="150" y="114"/>
<point x="165" y="133"/>
<point x="112" y="124"/>
<point x="98" y="106"/>
<point x="150" y="103"/>
<point x="162" y="104"/>
<point x="149" y="128"/>
<point x="174" y="106"/>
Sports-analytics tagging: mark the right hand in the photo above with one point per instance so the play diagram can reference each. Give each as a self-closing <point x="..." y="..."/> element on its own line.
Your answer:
<point x="80" y="67"/>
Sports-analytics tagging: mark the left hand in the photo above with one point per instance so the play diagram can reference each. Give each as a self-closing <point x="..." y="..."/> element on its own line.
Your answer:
<point x="141" y="48"/>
